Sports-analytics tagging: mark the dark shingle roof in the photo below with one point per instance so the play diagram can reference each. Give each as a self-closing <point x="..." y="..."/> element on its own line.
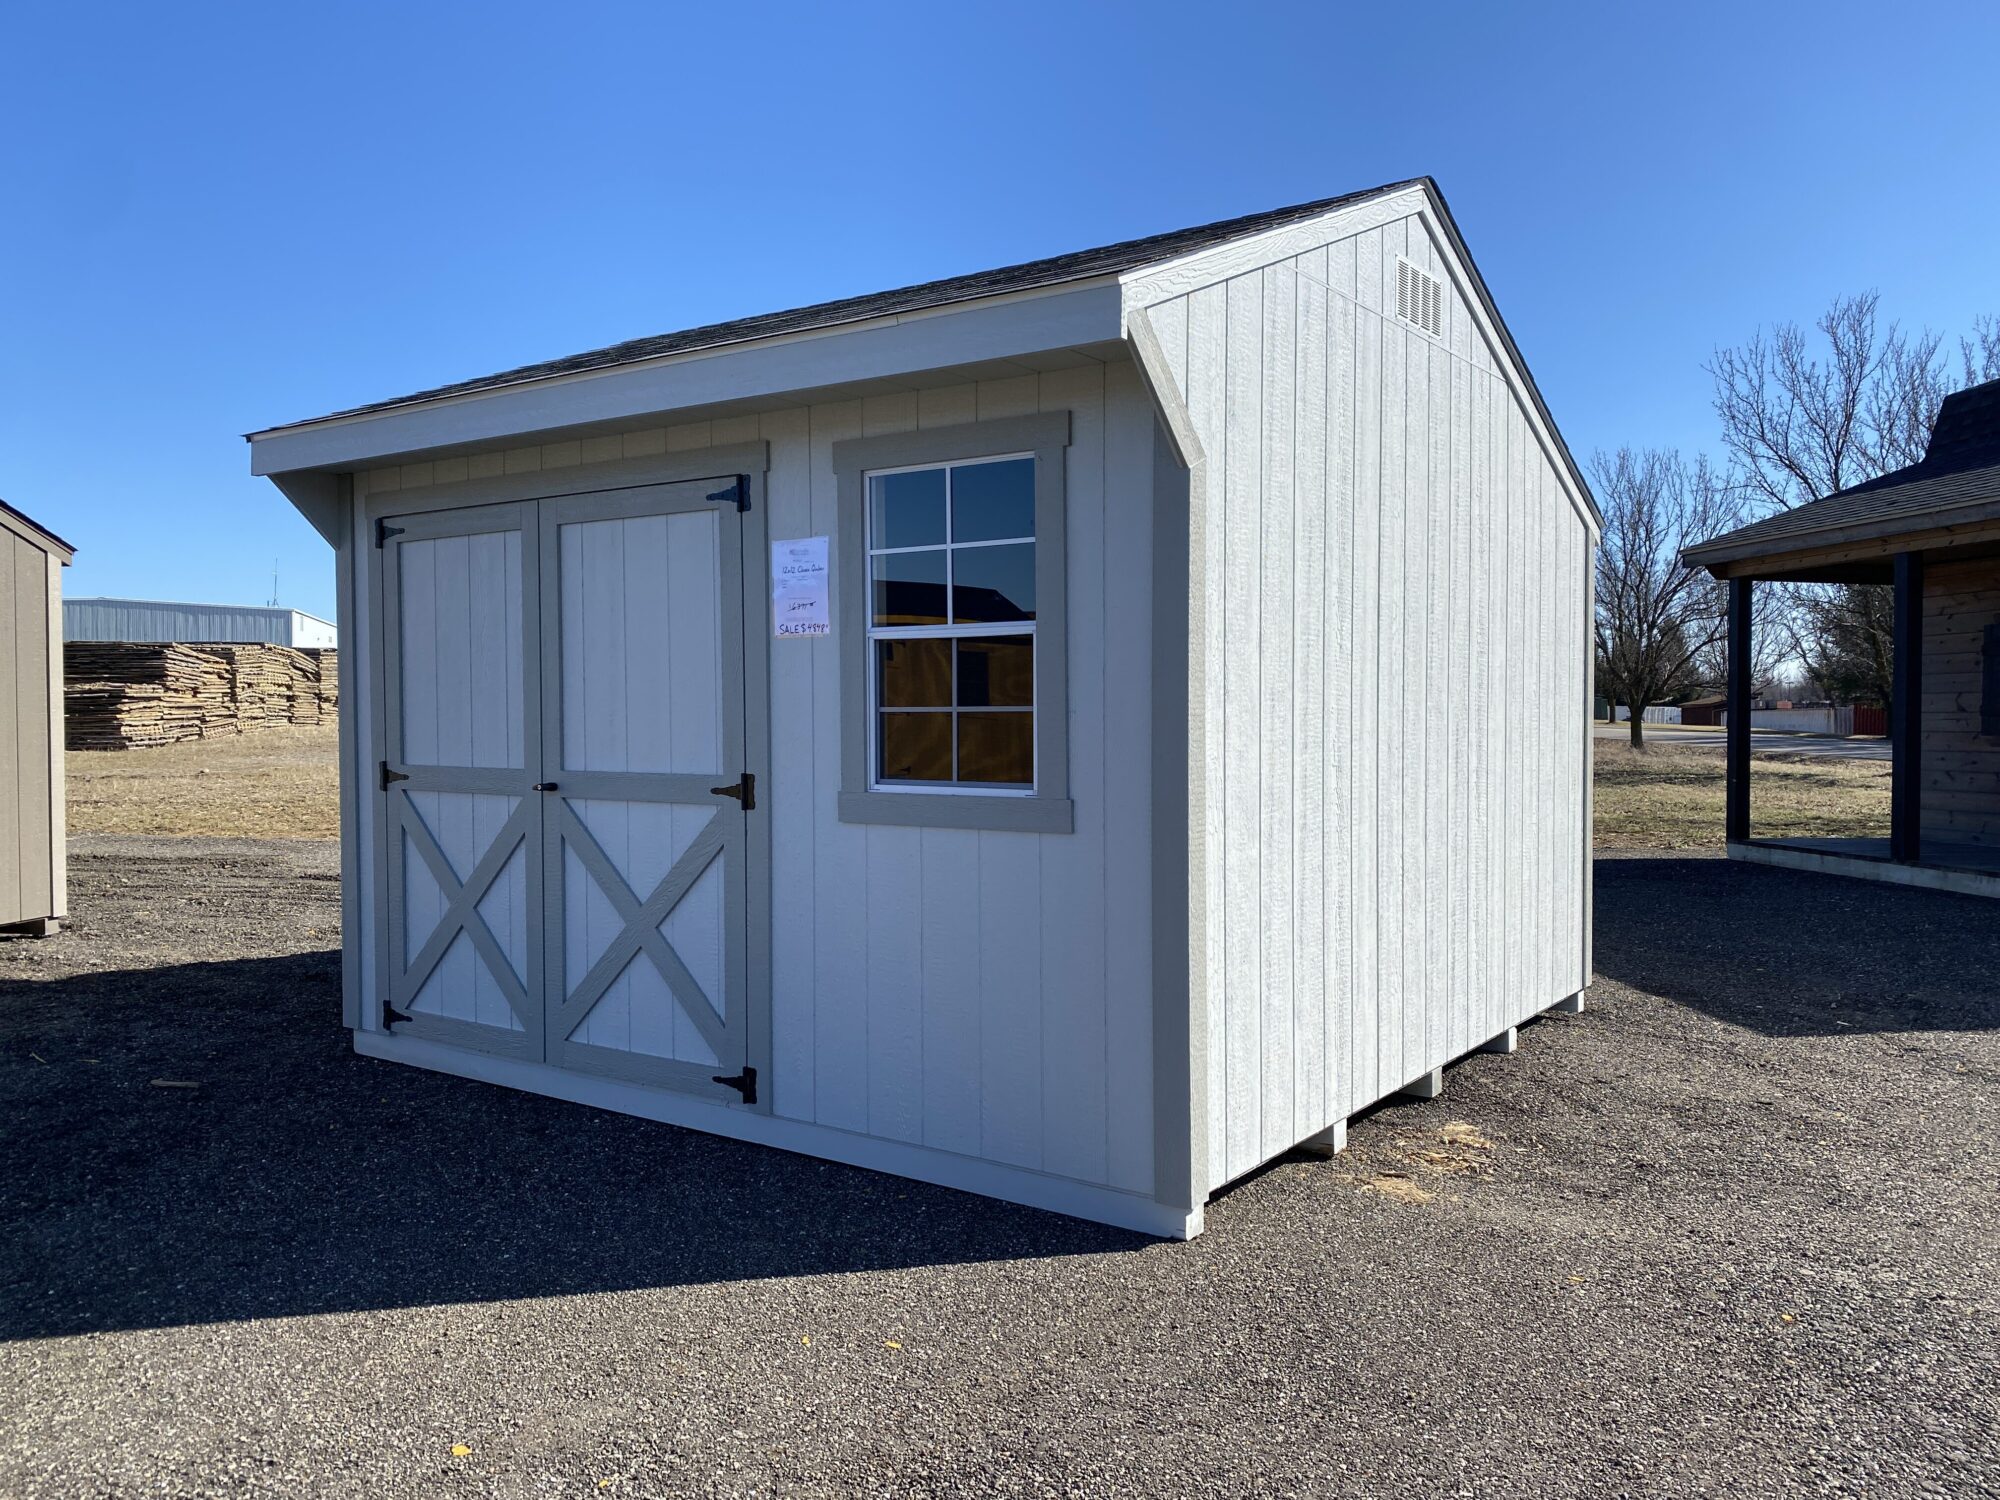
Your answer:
<point x="1960" y="467"/>
<point x="1034" y="275"/>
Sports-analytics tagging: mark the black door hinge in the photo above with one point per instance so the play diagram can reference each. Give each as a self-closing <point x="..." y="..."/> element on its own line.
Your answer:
<point x="383" y="531"/>
<point x="390" y="1015"/>
<point x="745" y="1083"/>
<point x="744" y="791"/>
<point x="738" y="493"/>
<point x="389" y="776"/>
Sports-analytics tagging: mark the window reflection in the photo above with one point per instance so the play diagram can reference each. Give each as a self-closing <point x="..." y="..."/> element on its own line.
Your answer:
<point x="950" y="547"/>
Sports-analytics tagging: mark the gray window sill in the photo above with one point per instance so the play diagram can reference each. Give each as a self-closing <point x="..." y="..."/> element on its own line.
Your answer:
<point x="922" y="810"/>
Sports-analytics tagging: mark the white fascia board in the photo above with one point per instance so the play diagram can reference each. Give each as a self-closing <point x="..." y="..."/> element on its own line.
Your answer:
<point x="1176" y="278"/>
<point x="995" y="328"/>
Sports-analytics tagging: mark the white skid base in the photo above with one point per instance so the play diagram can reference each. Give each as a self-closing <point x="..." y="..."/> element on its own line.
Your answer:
<point x="1080" y="1200"/>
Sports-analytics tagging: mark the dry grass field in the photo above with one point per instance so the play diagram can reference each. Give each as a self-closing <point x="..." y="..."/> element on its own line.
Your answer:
<point x="281" y="784"/>
<point x="276" y="784"/>
<point x="1668" y="798"/>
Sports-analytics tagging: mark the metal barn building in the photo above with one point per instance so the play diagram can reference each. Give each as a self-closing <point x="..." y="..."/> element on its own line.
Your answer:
<point x="1046" y="732"/>
<point x="34" y="881"/>
<point x="166" y="620"/>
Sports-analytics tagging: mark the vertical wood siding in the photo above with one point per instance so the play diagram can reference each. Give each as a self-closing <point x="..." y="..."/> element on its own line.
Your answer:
<point x="462" y="706"/>
<point x="30" y="820"/>
<point x="982" y="992"/>
<point x="979" y="992"/>
<point x="1398" y="856"/>
<point x="641" y="634"/>
<point x="1959" y="795"/>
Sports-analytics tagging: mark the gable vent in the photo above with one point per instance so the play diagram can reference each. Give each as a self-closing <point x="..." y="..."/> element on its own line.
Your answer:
<point x="1419" y="298"/>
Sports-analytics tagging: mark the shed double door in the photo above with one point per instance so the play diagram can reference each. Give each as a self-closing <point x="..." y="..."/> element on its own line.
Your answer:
<point x="563" y="792"/>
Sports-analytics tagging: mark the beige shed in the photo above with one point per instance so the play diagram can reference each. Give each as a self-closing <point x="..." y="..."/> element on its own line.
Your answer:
<point x="33" y="890"/>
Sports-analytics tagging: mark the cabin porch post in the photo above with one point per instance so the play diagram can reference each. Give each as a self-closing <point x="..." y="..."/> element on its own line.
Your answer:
<point x="1736" y="755"/>
<point x="1906" y="712"/>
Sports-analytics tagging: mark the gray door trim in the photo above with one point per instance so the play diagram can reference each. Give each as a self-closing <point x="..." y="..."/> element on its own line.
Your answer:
<point x="347" y="617"/>
<point x="682" y="467"/>
<point x="641" y="933"/>
<point x="461" y="914"/>
<point x="737" y="837"/>
<point x="755" y="625"/>
<point x="393" y="813"/>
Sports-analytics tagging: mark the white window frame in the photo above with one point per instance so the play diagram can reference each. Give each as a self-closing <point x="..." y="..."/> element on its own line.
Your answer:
<point x="1043" y="807"/>
<point x="950" y="548"/>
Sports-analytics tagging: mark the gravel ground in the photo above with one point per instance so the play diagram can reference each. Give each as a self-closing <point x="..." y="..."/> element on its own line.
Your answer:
<point x="1731" y="1232"/>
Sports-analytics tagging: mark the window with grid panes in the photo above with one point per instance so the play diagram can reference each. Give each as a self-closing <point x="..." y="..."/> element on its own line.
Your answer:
<point x="951" y="630"/>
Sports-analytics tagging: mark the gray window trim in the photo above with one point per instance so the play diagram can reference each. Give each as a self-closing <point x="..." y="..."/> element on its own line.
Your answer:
<point x="1048" y="809"/>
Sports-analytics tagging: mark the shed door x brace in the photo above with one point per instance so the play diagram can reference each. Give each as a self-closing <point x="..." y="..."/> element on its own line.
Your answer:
<point x="565" y="810"/>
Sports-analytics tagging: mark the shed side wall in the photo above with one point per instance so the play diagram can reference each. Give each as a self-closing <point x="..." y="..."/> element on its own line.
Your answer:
<point x="29" y="783"/>
<point x="1398" y="851"/>
<point x="1959" y="798"/>
<point x="980" y="992"/>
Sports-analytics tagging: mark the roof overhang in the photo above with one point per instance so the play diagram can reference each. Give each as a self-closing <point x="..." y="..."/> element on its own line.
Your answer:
<point x="35" y="533"/>
<point x="1859" y="552"/>
<point x="746" y="376"/>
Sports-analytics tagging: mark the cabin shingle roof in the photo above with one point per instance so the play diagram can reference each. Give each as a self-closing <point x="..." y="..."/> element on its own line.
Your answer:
<point x="1960" y="467"/>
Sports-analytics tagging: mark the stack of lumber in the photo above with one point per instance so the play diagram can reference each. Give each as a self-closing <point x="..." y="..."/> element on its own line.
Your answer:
<point x="124" y="695"/>
<point x="262" y="684"/>
<point x="328" y="661"/>
<point x="118" y="695"/>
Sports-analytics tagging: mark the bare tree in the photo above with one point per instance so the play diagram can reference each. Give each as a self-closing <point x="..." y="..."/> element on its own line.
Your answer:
<point x="1803" y="418"/>
<point x="1979" y="352"/>
<point x="1656" y="619"/>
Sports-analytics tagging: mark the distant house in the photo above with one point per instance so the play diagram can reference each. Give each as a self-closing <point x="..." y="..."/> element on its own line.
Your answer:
<point x="1703" y="711"/>
<point x="1933" y="530"/>
<point x="167" y="620"/>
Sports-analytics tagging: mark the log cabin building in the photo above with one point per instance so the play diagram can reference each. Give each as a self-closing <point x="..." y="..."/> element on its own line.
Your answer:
<point x="1932" y="531"/>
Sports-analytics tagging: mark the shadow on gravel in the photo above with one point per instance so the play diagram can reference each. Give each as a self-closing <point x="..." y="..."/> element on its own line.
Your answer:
<point x="298" y="1178"/>
<point x="1787" y="953"/>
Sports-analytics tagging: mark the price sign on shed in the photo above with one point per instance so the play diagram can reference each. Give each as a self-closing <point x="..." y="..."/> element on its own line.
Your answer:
<point x="799" y="588"/>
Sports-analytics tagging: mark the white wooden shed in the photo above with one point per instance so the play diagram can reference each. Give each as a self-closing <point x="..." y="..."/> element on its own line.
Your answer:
<point x="1050" y="732"/>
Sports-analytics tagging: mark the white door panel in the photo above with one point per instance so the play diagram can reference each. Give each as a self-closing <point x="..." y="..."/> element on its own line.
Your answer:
<point x="646" y="867"/>
<point x="564" y="805"/>
<point x="462" y="826"/>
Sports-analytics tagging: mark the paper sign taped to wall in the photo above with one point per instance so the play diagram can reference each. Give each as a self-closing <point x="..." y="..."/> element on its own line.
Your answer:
<point x="799" y="587"/>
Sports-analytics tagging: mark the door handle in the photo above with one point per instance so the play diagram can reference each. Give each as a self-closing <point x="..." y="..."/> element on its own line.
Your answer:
<point x="543" y="786"/>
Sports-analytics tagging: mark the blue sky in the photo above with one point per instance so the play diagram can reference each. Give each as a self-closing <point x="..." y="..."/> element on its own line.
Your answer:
<point x="218" y="218"/>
